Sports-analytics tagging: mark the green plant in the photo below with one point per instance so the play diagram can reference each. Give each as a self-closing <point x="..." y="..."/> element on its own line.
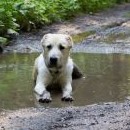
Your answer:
<point x="31" y="13"/>
<point x="67" y="8"/>
<point x="95" y="5"/>
<point x="8" y="23"/>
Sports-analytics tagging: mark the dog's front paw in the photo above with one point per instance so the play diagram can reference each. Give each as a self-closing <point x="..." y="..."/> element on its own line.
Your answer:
<point x="45" y="97"/>
<point x="67" y="98"/>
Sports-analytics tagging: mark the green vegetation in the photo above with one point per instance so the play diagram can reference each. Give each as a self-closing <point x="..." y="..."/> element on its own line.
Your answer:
<point x="25" y="15"/>
<point x="95" y="5"/>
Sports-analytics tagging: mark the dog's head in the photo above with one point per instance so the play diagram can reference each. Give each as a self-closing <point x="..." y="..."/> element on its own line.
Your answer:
<point x="56" y="49"/>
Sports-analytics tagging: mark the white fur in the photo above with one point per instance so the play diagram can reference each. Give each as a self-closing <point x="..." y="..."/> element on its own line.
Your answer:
<point x="45" y="76"/>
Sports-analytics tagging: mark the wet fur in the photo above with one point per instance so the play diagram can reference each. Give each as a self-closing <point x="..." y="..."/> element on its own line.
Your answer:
<point x="76" y="74"/>
<point x="46" y="74"/>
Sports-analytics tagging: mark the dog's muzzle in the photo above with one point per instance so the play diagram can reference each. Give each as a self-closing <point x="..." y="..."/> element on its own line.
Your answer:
<point x="53" y="64"/>
<point x="54" y="67"/>
<point x="53" y="61"/>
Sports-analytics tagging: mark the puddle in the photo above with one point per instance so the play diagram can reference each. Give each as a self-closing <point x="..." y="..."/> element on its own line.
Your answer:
<point x="107" y="80"/>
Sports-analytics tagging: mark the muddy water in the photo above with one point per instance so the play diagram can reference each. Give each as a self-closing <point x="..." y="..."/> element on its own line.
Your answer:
<point x="107" y="79"/>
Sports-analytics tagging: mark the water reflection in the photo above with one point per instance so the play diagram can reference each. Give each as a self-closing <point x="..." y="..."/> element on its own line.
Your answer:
<point x="15" y="81"/>
<point x="107" y="78"/>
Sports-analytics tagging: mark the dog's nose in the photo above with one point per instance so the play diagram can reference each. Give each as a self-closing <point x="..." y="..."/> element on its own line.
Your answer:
<point x="53" y="60"/>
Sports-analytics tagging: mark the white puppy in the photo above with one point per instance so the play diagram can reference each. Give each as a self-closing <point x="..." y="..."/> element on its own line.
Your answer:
<point x="54" y="66"/>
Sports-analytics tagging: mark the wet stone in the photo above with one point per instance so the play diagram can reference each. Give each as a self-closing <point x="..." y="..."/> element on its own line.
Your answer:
<point x="101" y="115"/>
<point x="10" y="118"/>
<point x="2" y="126"/>
<point x="93" y="124"/>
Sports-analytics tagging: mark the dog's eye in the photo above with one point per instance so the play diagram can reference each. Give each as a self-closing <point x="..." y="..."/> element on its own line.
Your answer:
<point x="61" y="47"/>
<point x="49" y="47"/>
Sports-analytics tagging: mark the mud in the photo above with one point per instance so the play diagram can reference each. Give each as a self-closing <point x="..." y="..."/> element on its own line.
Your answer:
<point x="111" y="35"/>
<point x="109" y="116"/>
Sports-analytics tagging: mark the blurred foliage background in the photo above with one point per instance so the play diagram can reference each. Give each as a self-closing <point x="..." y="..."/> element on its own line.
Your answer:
<point x="16" y="15"/>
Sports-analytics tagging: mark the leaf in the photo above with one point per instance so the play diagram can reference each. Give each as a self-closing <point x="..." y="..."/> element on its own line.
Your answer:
<point x="3" y="40"/>
<point x="11" y="31"/>
<point x="16" y="25"/>
<point x="2" y="10"/>
<point x="18" y="5"/>
<point x="23" y="12"/>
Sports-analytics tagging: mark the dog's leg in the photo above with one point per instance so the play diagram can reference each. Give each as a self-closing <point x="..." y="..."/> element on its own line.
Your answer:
<point x="42" y="94"/>
<point x="76" y="72"/>
<point x="67" y="81"/>
<point x="67" y="91"/>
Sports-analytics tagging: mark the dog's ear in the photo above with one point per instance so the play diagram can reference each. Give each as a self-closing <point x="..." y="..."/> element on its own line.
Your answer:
<point x="70" y="41"/>
<point x="44" y="38"/>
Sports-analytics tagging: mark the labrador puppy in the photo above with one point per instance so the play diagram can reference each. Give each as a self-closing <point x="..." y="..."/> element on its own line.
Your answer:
<point x="54" y="66"/>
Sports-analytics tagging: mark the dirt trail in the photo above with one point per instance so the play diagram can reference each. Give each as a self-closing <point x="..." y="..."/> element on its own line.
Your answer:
<point x="111" y="26"/>
<point x="110" y="116"/>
